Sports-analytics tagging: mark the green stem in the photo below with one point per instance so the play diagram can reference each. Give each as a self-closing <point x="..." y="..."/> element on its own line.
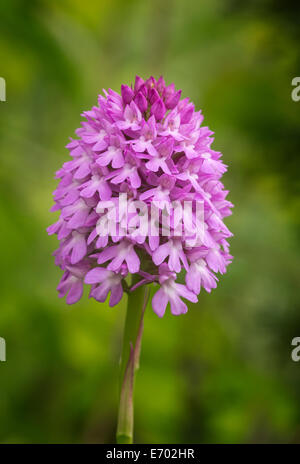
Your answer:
<point x="136" y="305"/>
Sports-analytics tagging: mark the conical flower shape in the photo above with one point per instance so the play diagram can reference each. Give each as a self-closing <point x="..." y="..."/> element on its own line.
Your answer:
<point x="140" y="168"/>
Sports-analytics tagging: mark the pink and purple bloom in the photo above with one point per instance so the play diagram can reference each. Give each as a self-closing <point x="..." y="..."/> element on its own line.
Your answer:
<point x="149" y="143"/>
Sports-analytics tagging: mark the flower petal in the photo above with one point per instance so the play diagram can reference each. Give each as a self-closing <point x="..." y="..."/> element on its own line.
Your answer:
<point x="159" y="302"/>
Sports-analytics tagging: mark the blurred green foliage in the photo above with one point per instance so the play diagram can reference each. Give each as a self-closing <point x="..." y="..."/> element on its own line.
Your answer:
<point x="223" y="372"/>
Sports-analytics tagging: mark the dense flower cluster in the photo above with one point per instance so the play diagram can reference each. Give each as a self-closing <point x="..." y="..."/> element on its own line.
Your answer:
<point x="149" y="144"/>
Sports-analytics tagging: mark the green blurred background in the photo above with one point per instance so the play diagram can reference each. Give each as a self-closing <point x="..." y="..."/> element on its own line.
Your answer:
<point x="222" y="373"/>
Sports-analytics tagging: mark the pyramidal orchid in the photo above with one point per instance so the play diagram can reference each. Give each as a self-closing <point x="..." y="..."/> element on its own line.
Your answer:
<point x="141" y="202"/>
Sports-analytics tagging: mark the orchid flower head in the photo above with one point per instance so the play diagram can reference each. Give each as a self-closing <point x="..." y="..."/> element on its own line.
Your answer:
<point x="142" y="161"/>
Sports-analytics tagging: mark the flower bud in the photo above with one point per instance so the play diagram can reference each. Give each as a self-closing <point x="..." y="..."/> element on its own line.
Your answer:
<point x="150" y="82"/>
<point x="161" y="85"/>
<point x="141" y="102"/>
<point x="153" y="96"/>
<point x="172" y="100"/>
<point x="127" y="94"/>
<point x="158" y="109"/>
<point x="170" y="90"/>
<point x="138" y="83"/>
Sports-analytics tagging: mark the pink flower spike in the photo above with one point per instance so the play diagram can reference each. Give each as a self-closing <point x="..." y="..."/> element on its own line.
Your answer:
<point x="139" y="159"/>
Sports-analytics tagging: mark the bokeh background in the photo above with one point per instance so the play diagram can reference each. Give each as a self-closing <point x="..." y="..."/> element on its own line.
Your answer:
<point x="223" y="372"/>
